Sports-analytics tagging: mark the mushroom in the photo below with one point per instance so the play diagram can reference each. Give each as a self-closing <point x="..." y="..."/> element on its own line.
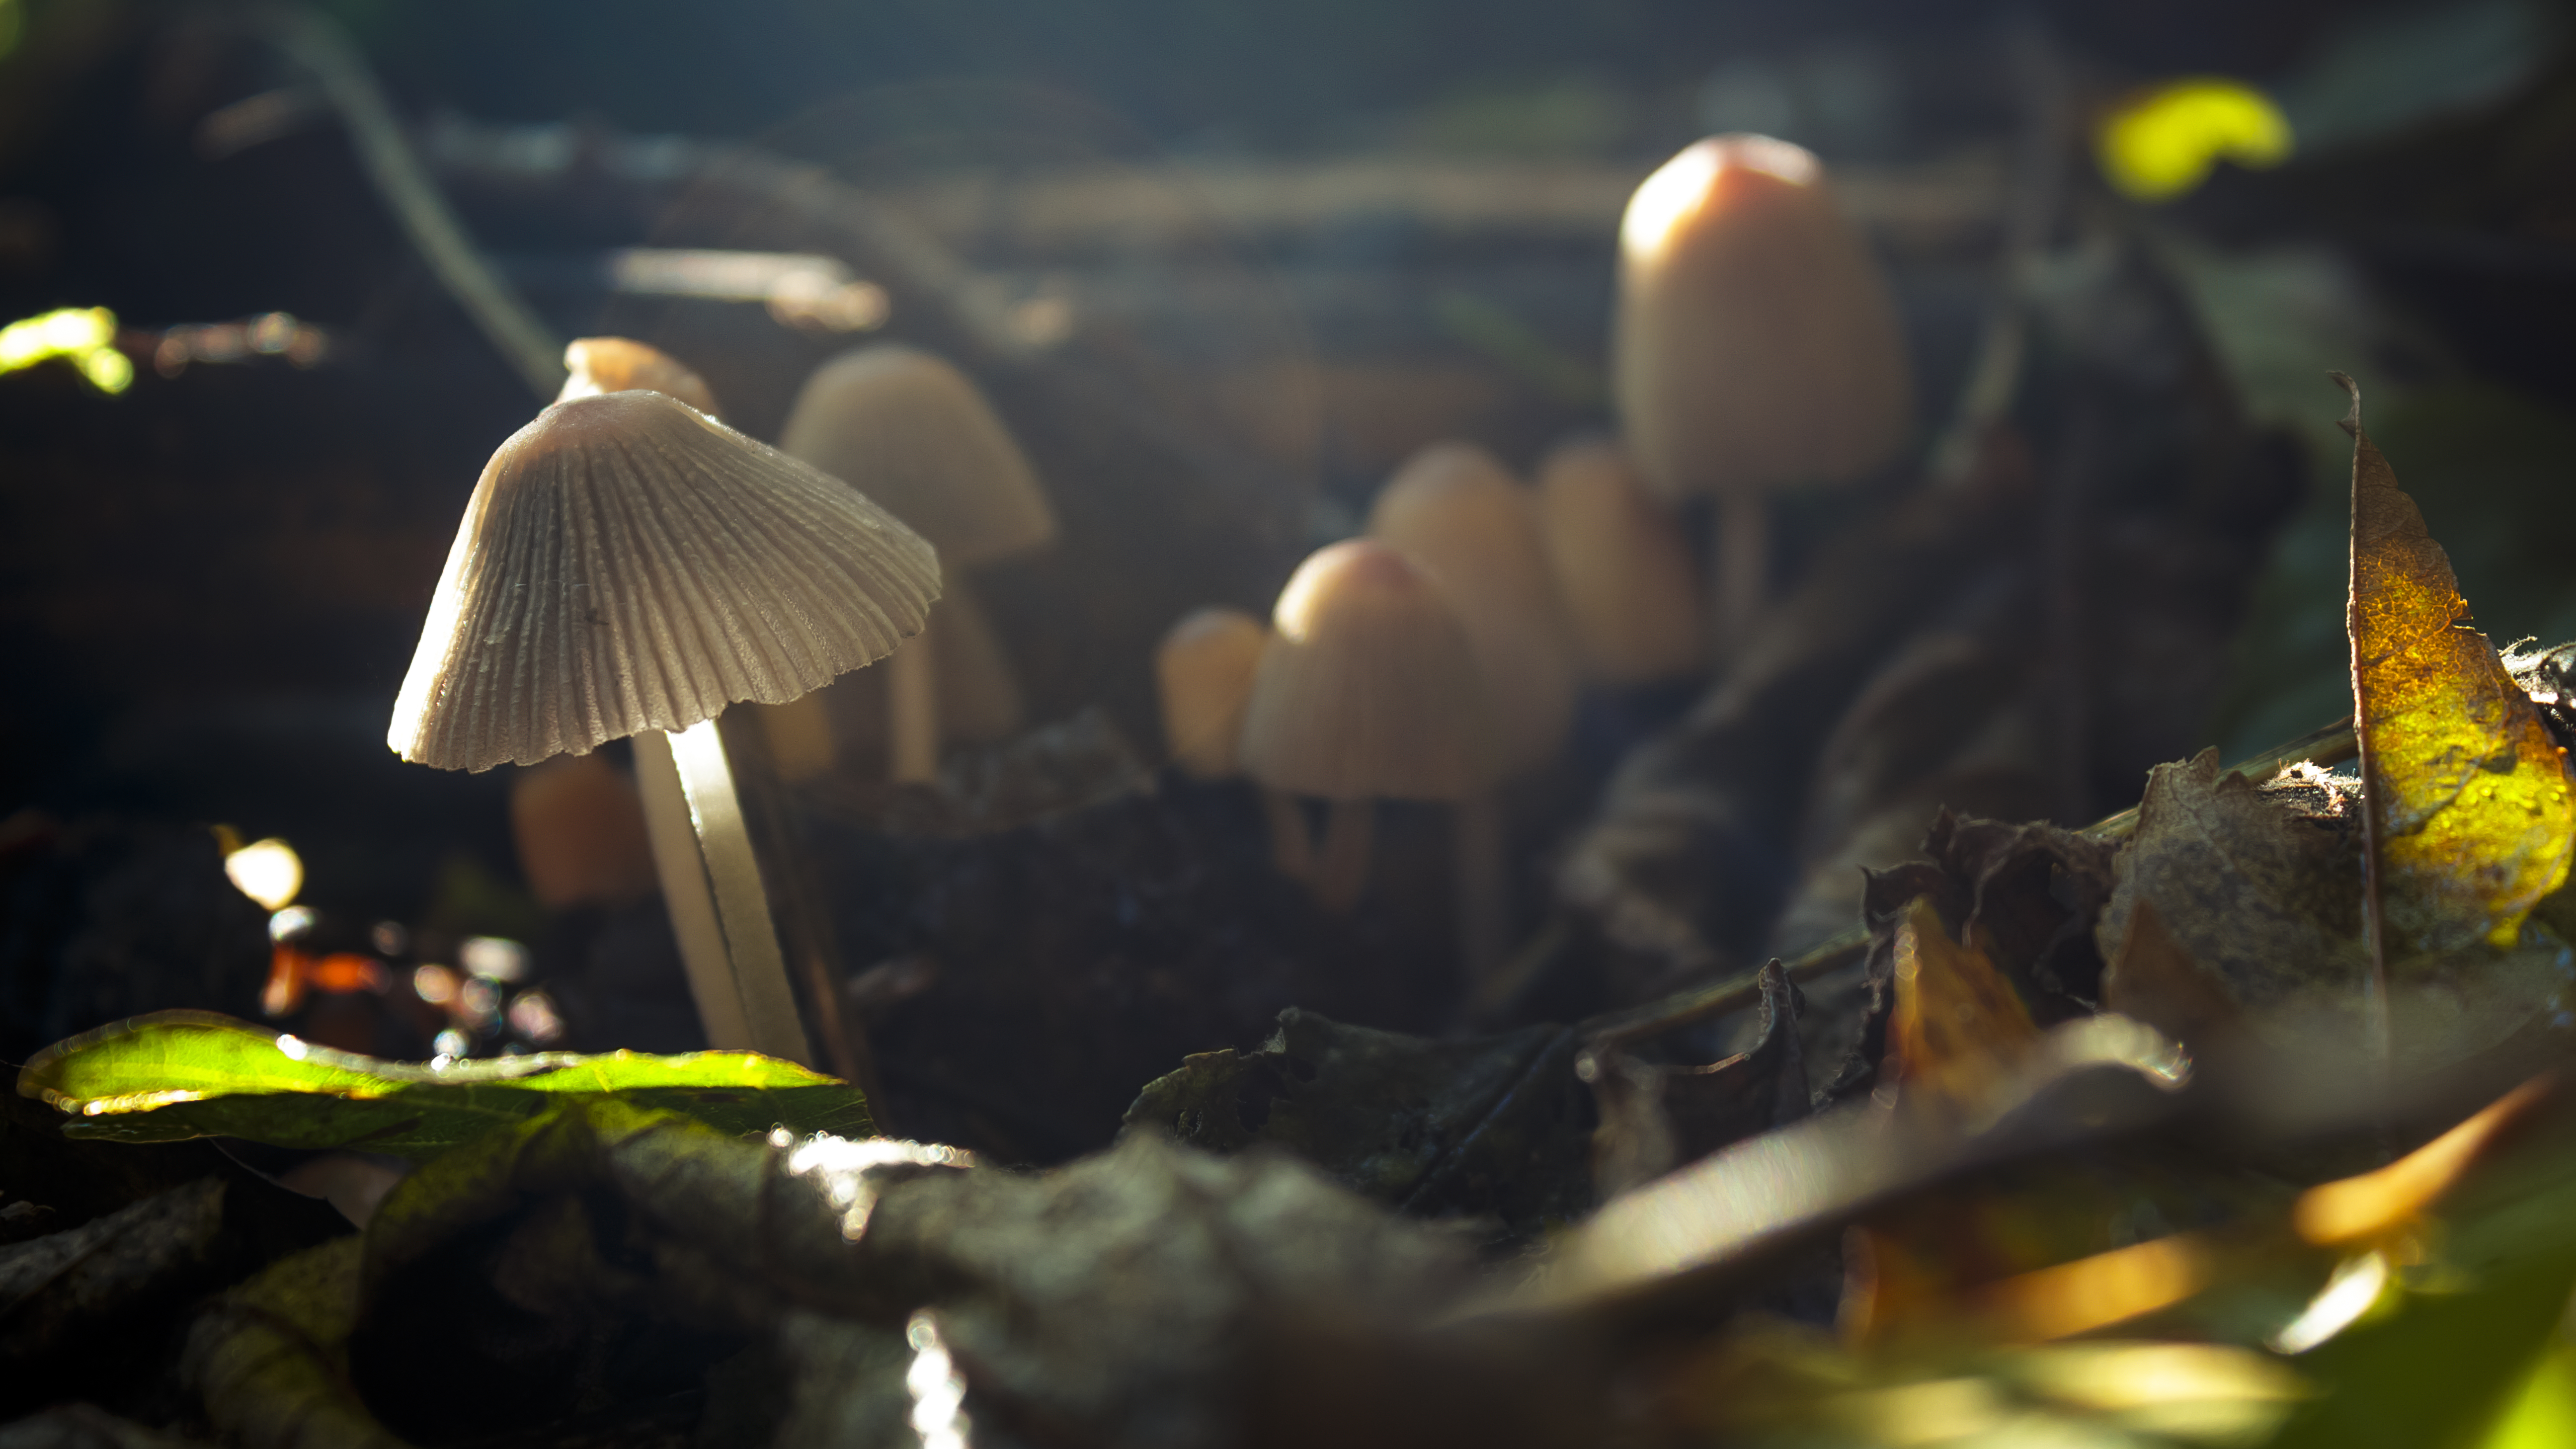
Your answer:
<point x="918" y="436"/>
<point x="1455" y="512"/>
<point x="601" y="365"/>
<point x="630" y="566"/>
<point x="1203" y="671"/>
<point x="1367" y="688"/>
<point x="578" y="824"/>
<point x="1756" y="347"/>
<point x="1621" y="566"/>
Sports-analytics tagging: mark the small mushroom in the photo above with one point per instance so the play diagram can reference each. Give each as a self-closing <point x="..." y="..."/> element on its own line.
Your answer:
<point x="1458" y="514"/>
<point x="1367" y="689"/>
<point x="918" y="436"/>
<point x="630" y="566"/>
<point x="1461" y="518"/>
<point x="600" y="365"/>
<point x="1621" y="565"/>
<point x="578" y="824"/>
<point x="1756" y="347"/>
<point x="1203" y="671"/>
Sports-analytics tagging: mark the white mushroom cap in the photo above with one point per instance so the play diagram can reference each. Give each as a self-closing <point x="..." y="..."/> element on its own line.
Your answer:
<point x="917" y="435"/>
<point x="627" y="563"/>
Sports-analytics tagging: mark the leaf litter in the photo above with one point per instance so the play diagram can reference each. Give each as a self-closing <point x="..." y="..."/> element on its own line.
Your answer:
<point x="1992" y="1179"/>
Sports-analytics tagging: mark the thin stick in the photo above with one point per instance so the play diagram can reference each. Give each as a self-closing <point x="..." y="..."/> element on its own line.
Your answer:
<point x="912" y="712"/>
<point x="1484" y="932"/>
<point x="742" y="907"/>
<point x="1740" y="567"/>
<point x="1341" y="873"/>
<point x="1292" y="852"/>
<point x="2374" y="925"/>
<point x="685" y="894"/>
<point x="319" y="44"/>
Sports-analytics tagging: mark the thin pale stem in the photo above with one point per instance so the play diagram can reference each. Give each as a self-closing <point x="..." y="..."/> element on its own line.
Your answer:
<point x="1341" y="873"/>
<point x="1740" y="565"/>
<point x="1484" y="930"/>
<point x="912" y="712"/>
<point x="742" y="907"/>
<point x="1292" y="850"/>
<point x="685" y="894"/>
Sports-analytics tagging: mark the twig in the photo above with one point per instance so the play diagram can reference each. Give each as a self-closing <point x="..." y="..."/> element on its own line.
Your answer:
<point x="317" y="43"/>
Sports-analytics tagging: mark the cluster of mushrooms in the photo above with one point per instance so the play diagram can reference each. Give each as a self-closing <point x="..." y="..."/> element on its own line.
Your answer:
<point x="1756" y="349"/>
<point x="629" y="566"/>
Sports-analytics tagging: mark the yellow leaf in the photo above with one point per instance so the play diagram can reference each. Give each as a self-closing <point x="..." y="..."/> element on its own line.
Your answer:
<point x="2469" y="818"/>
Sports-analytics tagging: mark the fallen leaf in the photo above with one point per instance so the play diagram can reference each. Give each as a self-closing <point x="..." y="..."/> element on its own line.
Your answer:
<point x="1657" y="1116"/>
<point x="2153" y="979"/>
<point x="2265" y="898"/>
<point x="2468" y="811"/>
<point x="1489" y="1126"/>
<point x="181" y="1074"/>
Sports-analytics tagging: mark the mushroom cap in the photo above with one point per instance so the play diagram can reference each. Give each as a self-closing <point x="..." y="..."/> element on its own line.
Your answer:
<point x="917" y="436"/>
<point x="1756" y="345"/>
<point x="1203" y="670"/>
<point x="621" y="364"/>
<point x="1461" y="518"/>
<point x="1621" y="565"/>
<point x="627" y="563"/>
<point x="1367" y="686"/>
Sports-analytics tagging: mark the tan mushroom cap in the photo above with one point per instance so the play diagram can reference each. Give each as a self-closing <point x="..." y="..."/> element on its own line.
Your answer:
<point x="627" y="563"/>
<point x="1462" y="518"/>
<point x="916" y="435"/>
<point x="1368" y="686"/>
<point x="1756" y="344"/>
<point x="1621" y="566"/>
<point x="621" y="364"/>
<point x="1203" y="671"/>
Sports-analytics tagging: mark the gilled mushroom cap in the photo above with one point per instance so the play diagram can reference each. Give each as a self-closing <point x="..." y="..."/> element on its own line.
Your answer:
<point x="1455" y="512"/>
<point x="1621" y="566"/>
<point x="916" y="435"/>
<point x="1203" y="670"/>
<point x="626" y="564"/>
<point x="1756" y="345"/>
<point x="601" y="365"/>
<point x="1367" y="687"/>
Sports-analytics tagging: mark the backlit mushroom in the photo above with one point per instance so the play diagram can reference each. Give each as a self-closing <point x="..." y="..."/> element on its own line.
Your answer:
<point x="1756" y="346"/>
<point x="1203" y="672"/>
<point x="1621" y="566"/>
<point x="1457" y="514"/>
<point x="630" y="566"/>
<point x="917" y="435"/>
<point x="1367" y="689"/>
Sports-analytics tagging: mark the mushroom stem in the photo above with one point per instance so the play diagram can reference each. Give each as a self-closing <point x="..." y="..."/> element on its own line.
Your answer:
<point x="1341" y="872"/>
<point x="1739" y="568"/>
<point x="711" y="884"/>
<point x="1483" y="928"/>
<point x="1291" y="850"/>
<point x="912" y="712"/>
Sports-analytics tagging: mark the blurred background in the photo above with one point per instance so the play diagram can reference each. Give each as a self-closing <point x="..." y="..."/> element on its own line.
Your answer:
<point x="1226" y="263"/>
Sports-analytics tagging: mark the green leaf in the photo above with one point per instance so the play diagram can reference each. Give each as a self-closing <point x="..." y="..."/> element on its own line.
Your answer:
<point x="180" y="1074"/>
